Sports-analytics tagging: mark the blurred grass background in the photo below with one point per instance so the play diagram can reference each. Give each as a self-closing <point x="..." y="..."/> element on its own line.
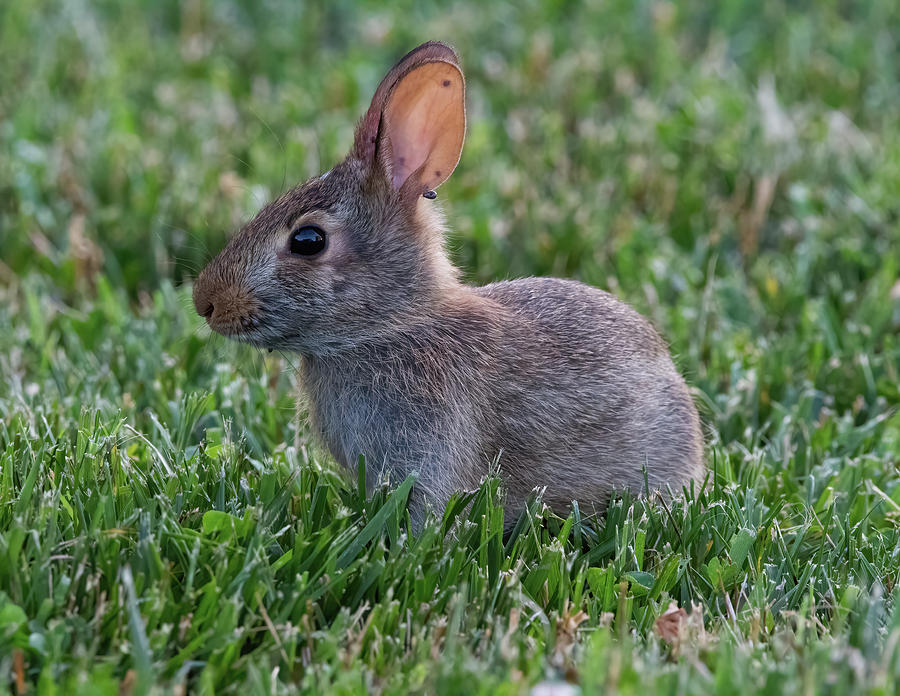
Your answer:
<point x="731" y="169"/>
<point x="658" y="150"/>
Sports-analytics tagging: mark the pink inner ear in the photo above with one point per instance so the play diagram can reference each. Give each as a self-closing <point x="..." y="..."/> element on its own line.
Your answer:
<point x="411" y="142"/>
<point x="425" y="124"/>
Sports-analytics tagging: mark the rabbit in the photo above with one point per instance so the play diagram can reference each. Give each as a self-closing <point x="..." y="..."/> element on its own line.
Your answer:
<point x="557" y="385"/>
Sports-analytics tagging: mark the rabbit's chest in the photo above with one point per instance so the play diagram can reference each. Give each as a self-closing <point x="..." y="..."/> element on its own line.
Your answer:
<point x="355" y="417"/>
<point x="397" y="427"/>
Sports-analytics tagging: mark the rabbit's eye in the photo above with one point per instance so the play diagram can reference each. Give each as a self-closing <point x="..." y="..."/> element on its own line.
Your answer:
<point x="307" y="241"/>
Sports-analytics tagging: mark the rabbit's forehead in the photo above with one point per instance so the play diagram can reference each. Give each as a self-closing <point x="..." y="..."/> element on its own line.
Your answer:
<point x="330" y="194"/>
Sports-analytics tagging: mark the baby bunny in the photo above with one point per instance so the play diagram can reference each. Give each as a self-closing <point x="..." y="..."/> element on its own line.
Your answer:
<point x="567" y="388"/>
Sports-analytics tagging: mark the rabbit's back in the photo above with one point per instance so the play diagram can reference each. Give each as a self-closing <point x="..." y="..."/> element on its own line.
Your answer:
<point x="586" y="396"/>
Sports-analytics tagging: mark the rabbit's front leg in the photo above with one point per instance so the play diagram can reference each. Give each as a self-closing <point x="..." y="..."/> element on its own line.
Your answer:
<point x="440" y="467"/>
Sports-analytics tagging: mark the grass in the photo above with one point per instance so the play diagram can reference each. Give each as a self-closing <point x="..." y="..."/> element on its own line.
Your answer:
<point x="166" y="524"/>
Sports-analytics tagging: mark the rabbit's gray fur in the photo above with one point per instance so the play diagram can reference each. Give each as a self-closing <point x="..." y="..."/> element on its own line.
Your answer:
<point x="566" y="387"/>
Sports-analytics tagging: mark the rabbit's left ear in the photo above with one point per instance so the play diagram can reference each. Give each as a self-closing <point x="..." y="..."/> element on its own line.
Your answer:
<point x="417" y="121"/>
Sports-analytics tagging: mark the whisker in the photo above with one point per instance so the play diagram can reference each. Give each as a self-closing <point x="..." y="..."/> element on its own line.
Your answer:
<point x="277" y="140"/>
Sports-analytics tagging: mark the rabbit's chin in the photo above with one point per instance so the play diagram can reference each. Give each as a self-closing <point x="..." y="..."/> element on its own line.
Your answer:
<point x="264" y="340"/>
<point x="256" y="337"/>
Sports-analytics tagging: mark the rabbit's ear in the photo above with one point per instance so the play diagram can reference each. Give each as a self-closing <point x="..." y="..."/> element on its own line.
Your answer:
<point x="417" y="121"/>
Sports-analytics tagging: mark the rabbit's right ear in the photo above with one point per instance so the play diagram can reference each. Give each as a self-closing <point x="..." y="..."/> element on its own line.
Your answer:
<point x="416" y="123"/>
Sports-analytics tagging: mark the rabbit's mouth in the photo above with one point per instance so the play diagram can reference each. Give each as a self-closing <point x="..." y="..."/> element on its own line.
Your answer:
<point x="245" y="329"/>
<point x="253" y="331"/>
<point x="239" y="328"/>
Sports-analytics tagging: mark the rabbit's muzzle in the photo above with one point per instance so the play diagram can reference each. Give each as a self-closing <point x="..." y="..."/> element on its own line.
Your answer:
<point x="229" y="308"/>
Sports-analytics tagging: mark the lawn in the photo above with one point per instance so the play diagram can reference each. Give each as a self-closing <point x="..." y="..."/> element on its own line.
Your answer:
<point x="167" y="525"/>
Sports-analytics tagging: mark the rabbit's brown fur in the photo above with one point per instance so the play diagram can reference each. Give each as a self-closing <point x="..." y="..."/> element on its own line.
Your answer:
<point x="567" y="387"/>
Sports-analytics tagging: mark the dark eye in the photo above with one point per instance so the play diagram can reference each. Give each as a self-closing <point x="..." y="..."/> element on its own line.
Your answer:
<point x="307" y="241"/>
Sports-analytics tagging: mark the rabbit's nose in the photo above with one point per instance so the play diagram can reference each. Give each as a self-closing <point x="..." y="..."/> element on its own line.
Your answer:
<point x="202" y="302"/>
<point x="203" y="306"/>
